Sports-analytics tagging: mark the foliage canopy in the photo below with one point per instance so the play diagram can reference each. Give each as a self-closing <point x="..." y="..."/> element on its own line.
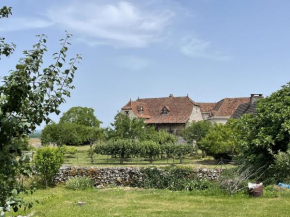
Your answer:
<point x="27" y="96"/>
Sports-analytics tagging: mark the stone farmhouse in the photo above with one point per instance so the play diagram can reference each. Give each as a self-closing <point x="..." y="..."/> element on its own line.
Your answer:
<point x="173" y="114"/>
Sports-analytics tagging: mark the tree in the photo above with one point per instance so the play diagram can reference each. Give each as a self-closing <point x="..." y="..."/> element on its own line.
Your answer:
<point x="195" y="132"/>
<point x="80" y="115"/>
<point x="161" y="137"/>
<point x="268" y="133"/>
<point x="51" y="133"/>
<point x="220" y="142"/>
<point x="5" y="48"/>
<point x="150" y="150"/>
<point x="126" y="128"/>
<point x="27" y="96"/>
<point x="78" y="126"/>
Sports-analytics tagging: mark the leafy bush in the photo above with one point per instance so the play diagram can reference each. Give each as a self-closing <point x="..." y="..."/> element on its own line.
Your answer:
<point x="195" y="132"/>
<point x="79" y="183"/>
<point x="172" y="178"/>
<point x="220" y="142"/>
<point x="281" y="168"/>
<point x="48" y="161"/>
<point x="267" y="134"/>
<point x="70" y="151"/>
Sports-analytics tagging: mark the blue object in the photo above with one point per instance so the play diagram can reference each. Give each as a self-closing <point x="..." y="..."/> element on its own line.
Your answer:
<point x="284" y="185"/>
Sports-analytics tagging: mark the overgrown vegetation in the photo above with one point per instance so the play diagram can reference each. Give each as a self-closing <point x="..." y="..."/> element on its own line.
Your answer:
<point x="221" y="141"/>
<point x="172" y="178"/>
<point x="79" y="183"/>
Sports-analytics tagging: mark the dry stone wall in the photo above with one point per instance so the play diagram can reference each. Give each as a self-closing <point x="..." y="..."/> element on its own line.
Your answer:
<point x="119" y="176"/>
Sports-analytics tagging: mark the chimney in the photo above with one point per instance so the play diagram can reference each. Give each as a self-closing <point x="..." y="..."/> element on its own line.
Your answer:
<point x="255" y="97"/>
<point x="171" y="95"/>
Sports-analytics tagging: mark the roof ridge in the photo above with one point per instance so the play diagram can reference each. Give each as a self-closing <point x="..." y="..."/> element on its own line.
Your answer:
<point x="236" y="97"/>
<point x="164" y="97"/>
<point x="207" y="102"/>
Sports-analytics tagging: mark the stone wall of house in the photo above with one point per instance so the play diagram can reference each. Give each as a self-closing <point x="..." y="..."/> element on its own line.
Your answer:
<point x="130" y="113"/>
<point x="195" y="115"/>
<point x="119" y="176"/>
<point x="219" y="119"/>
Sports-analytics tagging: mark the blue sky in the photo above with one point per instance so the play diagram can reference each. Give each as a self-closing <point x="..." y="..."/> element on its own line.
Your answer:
<point x="209" y="49"/>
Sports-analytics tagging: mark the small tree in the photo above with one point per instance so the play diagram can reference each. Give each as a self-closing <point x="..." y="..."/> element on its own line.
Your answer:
<point x="48" y="161"/>
<point x="150" y="150"/>
<point x="195" y="132"/>
<point x="181" y="150"/>
<point x="126" y="128"/>
<point x="220" y="142"/>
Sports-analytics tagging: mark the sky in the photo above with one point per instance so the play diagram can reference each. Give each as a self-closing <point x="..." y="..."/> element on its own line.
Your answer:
<point x="208" y="49"/>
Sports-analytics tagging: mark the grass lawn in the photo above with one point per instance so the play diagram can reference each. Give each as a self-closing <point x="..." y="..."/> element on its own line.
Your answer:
<point x="82" y="159"/>
<point x="60" y="202"/>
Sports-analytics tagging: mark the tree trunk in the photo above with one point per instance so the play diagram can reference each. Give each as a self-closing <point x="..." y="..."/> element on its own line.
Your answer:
<point x="151" y="160"/>
<point x="121" y="160"/>
<point x="181" y="160"/>
<point x="92" y="153"/>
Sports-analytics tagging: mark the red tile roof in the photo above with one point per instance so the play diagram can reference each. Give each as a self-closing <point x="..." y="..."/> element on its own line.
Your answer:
<point x="180" y="109"/>
<point x="227" y="106"/>
<point x="206" y="107"/>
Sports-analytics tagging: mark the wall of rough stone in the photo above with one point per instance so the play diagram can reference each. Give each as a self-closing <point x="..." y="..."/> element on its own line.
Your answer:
<point x="195" y="115"/>
<point x="119" y="176"/>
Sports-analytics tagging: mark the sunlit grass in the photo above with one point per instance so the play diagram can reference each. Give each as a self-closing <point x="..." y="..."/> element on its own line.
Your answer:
<point x="61" y="202"/>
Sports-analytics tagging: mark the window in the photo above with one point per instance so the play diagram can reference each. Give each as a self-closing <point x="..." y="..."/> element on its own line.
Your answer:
<point x="164" y="111"/>
<point x="127" y="112"/>
<point x="140" y="110"/>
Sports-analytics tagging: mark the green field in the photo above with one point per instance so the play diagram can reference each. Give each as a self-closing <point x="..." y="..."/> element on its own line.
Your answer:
<point x="82" y="159"/>
<point x="60" y="202"/>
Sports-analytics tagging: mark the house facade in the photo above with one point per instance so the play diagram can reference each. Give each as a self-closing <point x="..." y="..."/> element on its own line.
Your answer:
<point x="171" y="113"/>
<point x="174" y="114"/>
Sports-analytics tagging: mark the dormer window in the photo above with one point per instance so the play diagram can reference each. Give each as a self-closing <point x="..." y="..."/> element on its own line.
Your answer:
<point x="165" y="110"/>
<point x="140" y="110"/>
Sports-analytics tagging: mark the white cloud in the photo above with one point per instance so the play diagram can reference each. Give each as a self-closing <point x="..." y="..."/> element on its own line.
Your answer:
<point x="121" y="24"/>
<point x="133" y="63"/>
<point x="197" y="48"/>
<point x="22" y="23"/>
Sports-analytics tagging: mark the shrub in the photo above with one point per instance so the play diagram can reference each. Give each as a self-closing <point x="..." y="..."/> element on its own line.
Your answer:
<point x="281" y="167"/>
<point x="172" y="178"/>
<point x="195" y="132"/>
<point x="79" y="183"/>
<point x="71" y="151"/>
<point x="48" y="161"/>
<point x="220" y="142"/>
